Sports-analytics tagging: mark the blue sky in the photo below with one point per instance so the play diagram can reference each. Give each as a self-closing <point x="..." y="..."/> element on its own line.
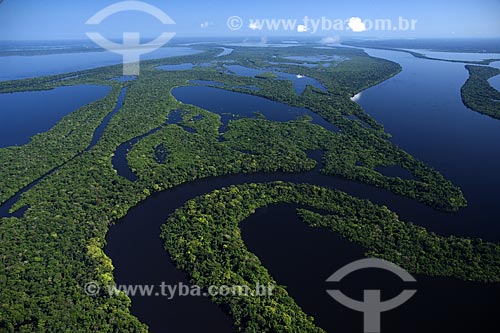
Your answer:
<point x="63" y="19"/>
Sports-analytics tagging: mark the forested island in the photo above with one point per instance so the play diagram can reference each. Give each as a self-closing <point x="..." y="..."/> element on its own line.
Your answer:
<point x="478" y="94"/>
<point x="204" y="239"/>
<point x="56" y="245"/>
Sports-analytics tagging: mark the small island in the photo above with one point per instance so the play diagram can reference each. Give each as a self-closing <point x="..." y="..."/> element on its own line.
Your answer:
<point x="478" y="94"/>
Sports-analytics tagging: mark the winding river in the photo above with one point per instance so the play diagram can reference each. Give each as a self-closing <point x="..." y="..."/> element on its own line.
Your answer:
<point x="422" y="108"/>
<point x="427" y="118"/>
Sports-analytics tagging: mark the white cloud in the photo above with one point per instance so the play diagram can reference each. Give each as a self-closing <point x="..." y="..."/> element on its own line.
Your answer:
<point x="301" y="28"/>
<point x="254" y="26"/>
<point x="356" y="24"/>
<point x="330" y="40"/>
<point x="206" y="24"/>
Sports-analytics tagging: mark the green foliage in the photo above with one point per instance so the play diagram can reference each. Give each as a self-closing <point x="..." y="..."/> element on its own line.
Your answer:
<point x="267" y="75"/>
<point x="204" y="240"/>
<point x="478" y="94"/>
<point x="46" y="151"/>
<point x="356" y="159"/>
<point x="411" y="246"/>
<point x="49" y="254"/>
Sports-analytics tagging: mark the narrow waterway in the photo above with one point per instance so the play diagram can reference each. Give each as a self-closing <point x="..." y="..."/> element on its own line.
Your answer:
<point x="5" y="207"/>
<point x="422" y="108"/>
<point x="425" y="114"/>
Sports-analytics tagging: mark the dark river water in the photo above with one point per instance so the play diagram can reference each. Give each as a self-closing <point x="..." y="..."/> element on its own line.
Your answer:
<point x="299" y="81"/>
<point x="24" y="114"/>
<point x="421" y="107"/>
<point x="6" y="206"/>
<point x="224" y="102"/>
